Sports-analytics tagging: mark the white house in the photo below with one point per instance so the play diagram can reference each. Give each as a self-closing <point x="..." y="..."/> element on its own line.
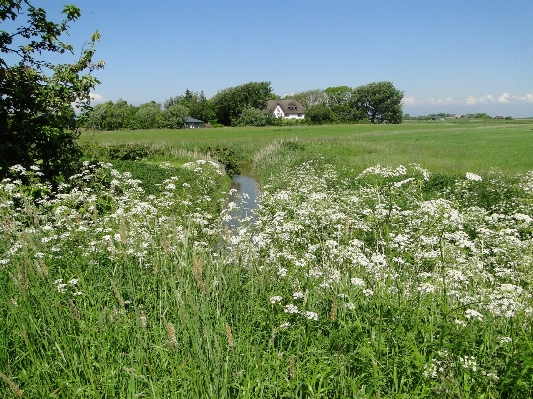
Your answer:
<point x="287" y="109"/>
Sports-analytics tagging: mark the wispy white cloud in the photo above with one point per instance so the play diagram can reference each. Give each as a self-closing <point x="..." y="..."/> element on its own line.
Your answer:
<point x="527" y="98"/>
<point x="408" y="101"/>
<point x="97" y="98"/>
<point x="471" y="100"/>
<point x="504" y="98"/>
<point x="441" y="101"/>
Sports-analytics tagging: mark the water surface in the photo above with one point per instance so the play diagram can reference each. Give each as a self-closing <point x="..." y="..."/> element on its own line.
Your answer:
<point x="242" y="199"/>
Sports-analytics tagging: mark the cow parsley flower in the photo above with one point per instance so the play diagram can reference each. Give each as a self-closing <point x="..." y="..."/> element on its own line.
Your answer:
<point x="291" y="309"/>
<point x="469" y="362"/>
<point x="460" y="323"/>
<point x="473" y="314"/>
<point x="358" y="282"/>
<point x="298" y="295"/>
<point x="473" y="176"/>
<point x="311" y="315"/>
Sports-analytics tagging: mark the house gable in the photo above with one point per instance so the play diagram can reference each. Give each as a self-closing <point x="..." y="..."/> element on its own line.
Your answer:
<point x="287" y="109"/>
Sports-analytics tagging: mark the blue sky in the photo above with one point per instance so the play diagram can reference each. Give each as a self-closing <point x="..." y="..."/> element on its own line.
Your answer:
<point x="447" y="56"/>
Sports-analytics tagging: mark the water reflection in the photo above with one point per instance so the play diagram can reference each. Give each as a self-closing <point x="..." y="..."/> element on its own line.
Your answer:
<point x="242" y="200"/>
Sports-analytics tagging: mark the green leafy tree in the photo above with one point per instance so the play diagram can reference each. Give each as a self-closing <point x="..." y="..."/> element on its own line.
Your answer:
<point x="120" y="115"/>
<point x="229" y="103"/>
<point x="339" y="101"/>
<point x="320" y="114"/>
<point x="201" y="108"/>
<point x="37" y="120"/>
<point x="172" y="101"/>
<point x="95" y="118"/>
<point x="309" y="97"/>
<point x="379" y="102"/>
<point x="149" y="115"/>
<point x="250" y="117"/>
<point x="174" y="116"/>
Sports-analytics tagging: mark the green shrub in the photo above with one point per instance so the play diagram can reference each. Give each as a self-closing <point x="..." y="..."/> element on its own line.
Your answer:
<point x="130" y="151"/>
<point x="227" y="157"/>
<point x="250" y="117"/>
<point x="320" y="114"/>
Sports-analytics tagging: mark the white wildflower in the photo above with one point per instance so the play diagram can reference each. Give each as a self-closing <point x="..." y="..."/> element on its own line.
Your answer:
<point x="430" y="370"/>
<point x="298" y="295"/>
<point x="460" y="323"/>
<point x="426" y="288"/>
<point x="473" y="314"/>
<point x="469" y="362"/>
<point x="473" y="176"/>
<point x="62" y="288"/>
<point x="290" y="308"/>
<point x="358" y="282"/>
<point x="311" y="315"/>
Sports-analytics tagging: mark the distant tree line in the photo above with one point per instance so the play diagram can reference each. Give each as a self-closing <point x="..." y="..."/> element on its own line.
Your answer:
<point x="377" y="102"/>
<point x="443" y="115"/>
<point x="121" y="115"/>
<point x="242" y="105"/>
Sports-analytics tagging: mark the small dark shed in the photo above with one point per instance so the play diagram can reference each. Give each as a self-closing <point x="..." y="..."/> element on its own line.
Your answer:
<point x="191" y="123"/>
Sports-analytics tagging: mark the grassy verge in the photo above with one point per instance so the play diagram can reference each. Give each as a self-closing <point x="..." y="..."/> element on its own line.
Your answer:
<point x="379" y="283"/>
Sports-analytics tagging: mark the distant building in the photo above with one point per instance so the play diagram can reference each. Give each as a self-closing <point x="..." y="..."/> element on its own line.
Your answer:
<point x="287" y="109"/>
<point x="499" y="117"/>
<point x="191" y="123"/>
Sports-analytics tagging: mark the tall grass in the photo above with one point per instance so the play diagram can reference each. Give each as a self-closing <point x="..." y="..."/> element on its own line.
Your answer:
<point x="388" y="282"/>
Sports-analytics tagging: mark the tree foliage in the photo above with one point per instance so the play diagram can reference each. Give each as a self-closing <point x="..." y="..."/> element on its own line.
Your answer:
<point x="229" y="103"/>
<point x="199" y="106"/>
<point x="174" y="116"/>
<point x="320" y="114"/>
<point x="379" y="102"/>
<point x="310" y="97"/>
<point x="376" y="102"/>
<point x="149" y="115"/>
<point x="37" y="120"/>
<point x="338" y="100"/>
<point x="250" y="117"/>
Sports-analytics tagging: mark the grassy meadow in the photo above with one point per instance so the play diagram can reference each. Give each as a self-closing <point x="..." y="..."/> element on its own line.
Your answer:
<point x="391" y="261"/>
<point x="443" y="147"/>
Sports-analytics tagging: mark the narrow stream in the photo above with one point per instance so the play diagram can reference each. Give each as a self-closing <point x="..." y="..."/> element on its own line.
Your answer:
<point x="242" y="200"/>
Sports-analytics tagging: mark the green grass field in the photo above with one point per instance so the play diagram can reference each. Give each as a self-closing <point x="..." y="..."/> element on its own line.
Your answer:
<point x="395" y="282"/>
<point x="443" y="147"/>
